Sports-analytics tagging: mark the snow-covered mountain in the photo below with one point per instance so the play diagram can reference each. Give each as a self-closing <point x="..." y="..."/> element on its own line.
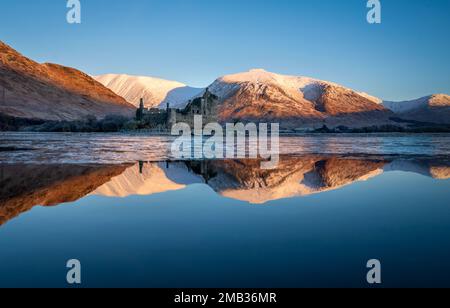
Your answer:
<point x="433" y="108"/>
<point x="294" y="101"/>
<point x="155" y="92"/>
<point x="309" y="87"/>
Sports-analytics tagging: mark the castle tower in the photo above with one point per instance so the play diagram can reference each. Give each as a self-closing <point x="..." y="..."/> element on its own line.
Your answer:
<point x="205" y="102"/>
<point x="3" y="96"/>
<point x="171" y="118"/>
<point x="140" y="111"/>
<point x="204" y="171"/>
<point x="203" y="105"/>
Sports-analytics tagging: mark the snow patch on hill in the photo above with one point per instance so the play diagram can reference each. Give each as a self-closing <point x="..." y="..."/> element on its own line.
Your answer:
<point x="310" y="88"/>
<point x="406" y="106"/>
<point x="437" y="100"/>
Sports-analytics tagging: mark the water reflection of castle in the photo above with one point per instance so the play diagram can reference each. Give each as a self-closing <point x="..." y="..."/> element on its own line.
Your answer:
<point x="200" y="167"/>
<point x="205" y="106"/>
<point x="236" y="179"/>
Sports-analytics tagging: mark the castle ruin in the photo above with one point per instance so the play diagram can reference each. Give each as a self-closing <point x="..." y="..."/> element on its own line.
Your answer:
<point x="205" y="106"/>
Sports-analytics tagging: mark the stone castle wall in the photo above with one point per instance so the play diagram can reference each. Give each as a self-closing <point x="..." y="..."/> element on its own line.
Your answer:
<point x="205" y="106"/>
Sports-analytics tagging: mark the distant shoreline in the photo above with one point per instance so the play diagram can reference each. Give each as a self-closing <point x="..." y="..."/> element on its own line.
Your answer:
<point x="114" y="124"/>
<point x="284" y="134"/>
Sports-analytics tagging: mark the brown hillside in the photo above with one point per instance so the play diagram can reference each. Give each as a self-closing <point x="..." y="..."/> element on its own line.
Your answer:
<point x="52" y="92"/>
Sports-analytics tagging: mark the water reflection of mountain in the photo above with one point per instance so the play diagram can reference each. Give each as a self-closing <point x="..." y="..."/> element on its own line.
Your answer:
<point x="24" y="186"/>
<point x="245" y="180"/>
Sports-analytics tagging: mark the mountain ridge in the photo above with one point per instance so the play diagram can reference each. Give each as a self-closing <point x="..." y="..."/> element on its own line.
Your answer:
<point x="155" y="92"/>
<point x="295" y="101"/>
<point x="432" y="108"/>
<point x="52" y="92"/>
<point x="257" y="95"/>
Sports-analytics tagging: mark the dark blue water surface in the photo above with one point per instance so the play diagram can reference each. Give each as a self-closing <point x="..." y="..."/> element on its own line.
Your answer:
<point x="193" y="237"/>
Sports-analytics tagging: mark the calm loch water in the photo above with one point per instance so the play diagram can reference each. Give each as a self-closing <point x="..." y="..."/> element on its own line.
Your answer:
<point x="134" y="217"/>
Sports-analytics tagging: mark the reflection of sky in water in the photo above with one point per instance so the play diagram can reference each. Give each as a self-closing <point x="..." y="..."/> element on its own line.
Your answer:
<point x="114" y="148"/>
<point x="194" y="237"/>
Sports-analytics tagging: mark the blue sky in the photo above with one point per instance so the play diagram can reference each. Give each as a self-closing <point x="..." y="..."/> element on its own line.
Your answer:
<point x="195" y="41"/>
